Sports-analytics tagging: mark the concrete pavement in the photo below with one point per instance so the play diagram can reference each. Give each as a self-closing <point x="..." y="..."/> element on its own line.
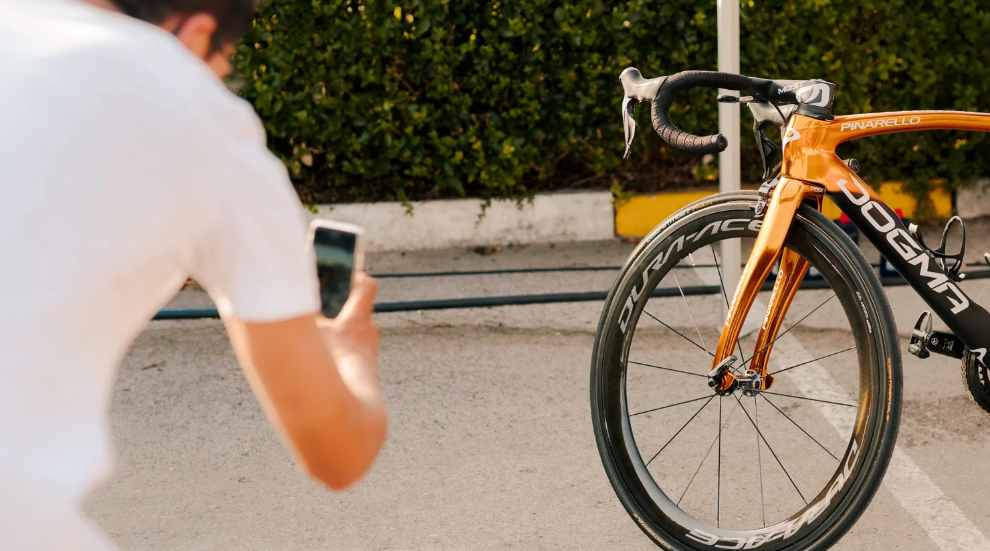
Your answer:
<point x="490" y="444"/>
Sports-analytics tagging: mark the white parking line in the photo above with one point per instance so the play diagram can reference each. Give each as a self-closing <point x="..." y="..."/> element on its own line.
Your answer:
<point x="946" y="524"/>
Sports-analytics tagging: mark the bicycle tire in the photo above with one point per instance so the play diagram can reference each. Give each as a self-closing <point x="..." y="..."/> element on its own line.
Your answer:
<point x="879" y="407"/>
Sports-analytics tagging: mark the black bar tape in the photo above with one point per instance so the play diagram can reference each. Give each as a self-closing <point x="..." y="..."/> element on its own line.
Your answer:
<point x="687" y="80"/>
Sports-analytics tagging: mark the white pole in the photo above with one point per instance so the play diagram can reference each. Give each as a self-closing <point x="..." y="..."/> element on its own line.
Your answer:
<point x="729" y="164"/>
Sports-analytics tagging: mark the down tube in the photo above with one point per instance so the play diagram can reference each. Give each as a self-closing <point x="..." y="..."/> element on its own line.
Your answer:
<point x="884" y="229"/>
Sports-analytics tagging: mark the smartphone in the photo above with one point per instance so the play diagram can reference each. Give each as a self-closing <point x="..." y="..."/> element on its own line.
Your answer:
<point x="339" y="258"/>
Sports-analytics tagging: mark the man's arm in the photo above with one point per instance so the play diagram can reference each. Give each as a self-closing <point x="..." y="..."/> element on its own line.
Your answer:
<point x="317" y="382"/>
<point x="248" y="247"/>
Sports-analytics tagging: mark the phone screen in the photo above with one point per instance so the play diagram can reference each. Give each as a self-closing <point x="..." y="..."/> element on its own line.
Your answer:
<point x="334" y="267"/>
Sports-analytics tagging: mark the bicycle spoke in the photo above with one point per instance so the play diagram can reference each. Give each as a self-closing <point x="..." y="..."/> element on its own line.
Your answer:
<point x="812" y="361"/>
<point x="671" y="405"/>
<point x="806" y="398"/>
<point x="771" y="450"/>
<point x="690" y="312"/>
<point x="718" y="488"/>
<point x="726" y="297"/>
<point x="681" y="429"/>
<point x="678" y="333"/>
<point x="668" y="369"/>
<point x="798" y="426"/>
<point x="709" y="452"/>
<point x="767" y="345"/>
<point x="759" y="460"/>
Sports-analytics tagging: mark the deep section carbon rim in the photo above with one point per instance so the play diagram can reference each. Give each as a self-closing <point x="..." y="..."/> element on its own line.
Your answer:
<point x="764" y="470"/>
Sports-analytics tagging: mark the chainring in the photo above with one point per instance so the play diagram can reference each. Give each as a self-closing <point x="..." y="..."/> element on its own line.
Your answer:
<point x="976" y="379"/>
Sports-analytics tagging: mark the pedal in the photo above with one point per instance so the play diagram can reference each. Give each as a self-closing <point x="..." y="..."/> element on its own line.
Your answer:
<point x="924" y="341"/>
<point x="941" y="257"/>
<point x="919" y="336"/>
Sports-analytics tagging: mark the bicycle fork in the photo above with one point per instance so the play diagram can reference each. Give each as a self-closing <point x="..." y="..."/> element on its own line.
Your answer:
<point x="781" y="209"/>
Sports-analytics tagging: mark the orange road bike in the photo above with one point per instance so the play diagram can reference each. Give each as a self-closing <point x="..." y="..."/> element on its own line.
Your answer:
<point x="778" y="436"/>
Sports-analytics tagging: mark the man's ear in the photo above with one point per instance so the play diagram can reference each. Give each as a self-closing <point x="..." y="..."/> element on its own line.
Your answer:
<point x="195" y="31"/>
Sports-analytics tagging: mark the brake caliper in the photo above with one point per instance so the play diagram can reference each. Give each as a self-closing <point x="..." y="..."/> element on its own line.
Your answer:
<point x="763" y="196"/>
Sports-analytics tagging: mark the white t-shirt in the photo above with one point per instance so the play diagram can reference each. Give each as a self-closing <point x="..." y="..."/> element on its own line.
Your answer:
<point x="125" y="166"/>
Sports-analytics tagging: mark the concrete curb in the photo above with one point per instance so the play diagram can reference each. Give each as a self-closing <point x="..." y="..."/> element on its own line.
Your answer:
<point x="974" y="201"/>
<point x="455" y="223"/>
<point x="561" y="217"/>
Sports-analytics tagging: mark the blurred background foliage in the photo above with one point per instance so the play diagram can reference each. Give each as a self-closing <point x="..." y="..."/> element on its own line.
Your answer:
<point x="417" y="99"/>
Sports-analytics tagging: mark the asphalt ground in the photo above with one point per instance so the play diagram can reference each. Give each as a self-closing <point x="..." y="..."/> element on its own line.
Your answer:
<point x="490" y="443"/>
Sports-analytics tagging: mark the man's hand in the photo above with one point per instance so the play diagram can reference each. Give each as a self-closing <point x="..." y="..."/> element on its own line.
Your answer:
<point x="352" y="337"/>
<point x="318" y="382"/>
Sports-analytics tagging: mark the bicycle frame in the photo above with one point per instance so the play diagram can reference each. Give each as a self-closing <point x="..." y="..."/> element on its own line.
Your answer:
<point x="811" y="170"/>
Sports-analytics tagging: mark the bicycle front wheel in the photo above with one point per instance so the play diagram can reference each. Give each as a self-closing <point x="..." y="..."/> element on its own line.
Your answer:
<point x="791" y="467"/>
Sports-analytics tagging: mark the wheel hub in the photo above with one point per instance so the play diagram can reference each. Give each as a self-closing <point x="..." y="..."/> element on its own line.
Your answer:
<point x="724" y="382"/>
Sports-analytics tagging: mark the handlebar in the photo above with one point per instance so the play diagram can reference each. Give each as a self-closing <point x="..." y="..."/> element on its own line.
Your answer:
<point x="813" y="97"/>
<point x="682" y="82"/>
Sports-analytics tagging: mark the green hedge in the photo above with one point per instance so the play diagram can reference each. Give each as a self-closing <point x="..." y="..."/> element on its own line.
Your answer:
<point x="382" y="99"/>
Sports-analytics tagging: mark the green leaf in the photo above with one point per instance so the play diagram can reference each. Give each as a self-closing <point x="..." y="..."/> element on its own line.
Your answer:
<point x="527" y="93"/>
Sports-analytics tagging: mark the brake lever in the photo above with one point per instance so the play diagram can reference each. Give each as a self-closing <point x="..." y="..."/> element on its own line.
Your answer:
<point x="628" y="124"/>
<point x="637" y="88"/>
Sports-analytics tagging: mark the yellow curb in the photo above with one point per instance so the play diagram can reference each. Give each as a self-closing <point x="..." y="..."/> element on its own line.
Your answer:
<point x="640" y="214"/>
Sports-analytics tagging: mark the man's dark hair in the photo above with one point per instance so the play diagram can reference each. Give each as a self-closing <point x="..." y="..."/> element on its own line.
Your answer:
<point x="233" y="16"/>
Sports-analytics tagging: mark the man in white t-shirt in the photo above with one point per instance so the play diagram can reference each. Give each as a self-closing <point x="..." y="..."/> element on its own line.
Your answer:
<point x="126" y="166"/>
